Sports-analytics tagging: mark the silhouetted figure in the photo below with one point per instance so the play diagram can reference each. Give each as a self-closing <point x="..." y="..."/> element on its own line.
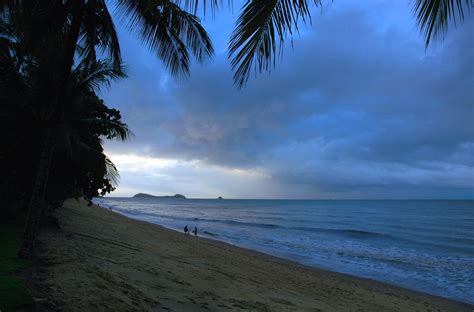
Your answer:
<point x="186" y="231"/>
<point x="195" y="231"/>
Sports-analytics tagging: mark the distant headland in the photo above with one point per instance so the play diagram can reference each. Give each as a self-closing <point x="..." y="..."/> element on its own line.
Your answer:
<point x="144" y="195"/>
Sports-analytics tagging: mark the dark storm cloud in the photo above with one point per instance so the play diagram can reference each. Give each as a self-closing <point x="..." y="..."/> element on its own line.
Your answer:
<point x="359" y="109"/>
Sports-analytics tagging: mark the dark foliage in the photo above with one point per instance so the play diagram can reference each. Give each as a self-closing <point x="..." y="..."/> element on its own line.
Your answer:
<point x="37" y="99"/>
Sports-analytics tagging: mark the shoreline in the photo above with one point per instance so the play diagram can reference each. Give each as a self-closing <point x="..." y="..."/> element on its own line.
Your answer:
<point x="197" y="273"/>
<point x="295" y="259"/>
<point x="288" y="261"/>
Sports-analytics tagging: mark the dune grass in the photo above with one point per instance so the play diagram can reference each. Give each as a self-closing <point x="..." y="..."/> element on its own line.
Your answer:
<point x="13" y="291"/>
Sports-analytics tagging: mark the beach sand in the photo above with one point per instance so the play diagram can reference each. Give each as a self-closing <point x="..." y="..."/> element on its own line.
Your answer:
<point x="101" y="261"/>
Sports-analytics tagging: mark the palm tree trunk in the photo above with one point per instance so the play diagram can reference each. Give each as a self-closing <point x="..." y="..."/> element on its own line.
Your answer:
<point x="36" y="203"/>
<point x="72" y="39"/>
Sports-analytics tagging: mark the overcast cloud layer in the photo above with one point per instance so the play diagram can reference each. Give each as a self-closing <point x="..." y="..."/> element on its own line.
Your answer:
<point x="359" y="109"/>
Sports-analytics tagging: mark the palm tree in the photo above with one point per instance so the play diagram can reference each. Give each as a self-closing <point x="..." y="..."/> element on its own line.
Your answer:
<point x="76" y="135"/>
<point x="85" y="122"/>
<point x="51" y="34"/>
<point x="83" y="169"/>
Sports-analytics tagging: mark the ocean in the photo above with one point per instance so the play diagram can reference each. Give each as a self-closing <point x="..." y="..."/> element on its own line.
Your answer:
<point x="420" y="244"/>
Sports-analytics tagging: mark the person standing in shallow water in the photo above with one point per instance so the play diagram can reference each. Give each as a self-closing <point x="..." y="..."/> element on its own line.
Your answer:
<point x="186" y="231"/>
<point x="195" y="231"/>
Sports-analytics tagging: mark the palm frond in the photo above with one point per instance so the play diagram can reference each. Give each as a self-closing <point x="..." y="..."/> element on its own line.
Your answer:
<point x="433" y="16"/>
<point x="92" y="76"/>
<point x="117" y="129"/>
<point x="98" y="31"/>
<point x="112" y="172"/>
<point x="111" y="128"/>
<point x="168" y="31"/>
<point x="193" y="5"/>
<point x="261" y="30"/>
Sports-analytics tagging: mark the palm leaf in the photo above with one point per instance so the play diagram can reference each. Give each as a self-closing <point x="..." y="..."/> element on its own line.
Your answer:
<point x="98" y="30"/>
<point x="433" y="16"/>
<point x="193" y="5"/>
<point x="112" y="172"/>
<point x="113" y="128"/>
<point x="168" y="31"/>
<point x="261" y="30"/>
<point x="116" y="129"/>
<point x="91" y="76"/>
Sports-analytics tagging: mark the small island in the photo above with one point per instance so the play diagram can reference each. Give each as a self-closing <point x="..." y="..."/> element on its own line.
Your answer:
<point x="220" y="197"/>
<point x="144" y="195"/>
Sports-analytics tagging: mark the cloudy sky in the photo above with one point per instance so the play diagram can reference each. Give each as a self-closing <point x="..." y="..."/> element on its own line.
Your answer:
<point x="357" y="109"/>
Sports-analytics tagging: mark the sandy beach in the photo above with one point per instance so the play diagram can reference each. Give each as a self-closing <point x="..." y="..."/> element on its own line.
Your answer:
<point x="99" y="260"/>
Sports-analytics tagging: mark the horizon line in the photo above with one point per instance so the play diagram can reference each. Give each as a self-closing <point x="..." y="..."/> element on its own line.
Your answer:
<point x="341" y="199"/>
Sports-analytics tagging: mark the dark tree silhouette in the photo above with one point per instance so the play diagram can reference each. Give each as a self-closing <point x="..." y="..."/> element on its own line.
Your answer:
<point x="77" y="162"/>
<point x="56" y="35"/>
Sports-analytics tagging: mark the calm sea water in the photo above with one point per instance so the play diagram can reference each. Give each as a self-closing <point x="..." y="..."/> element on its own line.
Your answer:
<point x="423" y="245"/>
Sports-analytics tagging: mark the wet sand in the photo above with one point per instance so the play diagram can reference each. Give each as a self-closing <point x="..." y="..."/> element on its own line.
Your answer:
<point x="101" y="261"/>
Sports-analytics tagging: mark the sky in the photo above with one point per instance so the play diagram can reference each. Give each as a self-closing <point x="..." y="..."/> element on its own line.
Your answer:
<point x="357" y="108"/>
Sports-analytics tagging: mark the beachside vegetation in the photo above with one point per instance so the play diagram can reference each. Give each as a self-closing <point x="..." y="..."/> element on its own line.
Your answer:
<point x="58" y="141"/>
<point x="52" y="64"/>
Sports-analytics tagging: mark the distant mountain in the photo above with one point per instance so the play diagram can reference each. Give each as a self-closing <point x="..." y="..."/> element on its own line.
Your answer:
<point x="143" y="195"/>
<point x="220" y="197"/>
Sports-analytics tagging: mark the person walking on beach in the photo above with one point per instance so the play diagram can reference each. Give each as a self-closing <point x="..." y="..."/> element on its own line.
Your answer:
<point x="186" y="231"/>
<point x="195" y="231"/>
